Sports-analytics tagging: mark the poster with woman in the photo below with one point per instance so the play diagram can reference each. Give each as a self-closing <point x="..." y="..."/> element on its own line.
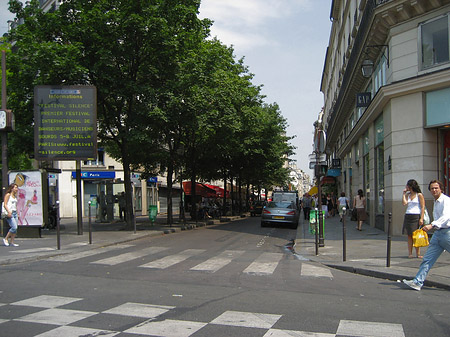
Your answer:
<point x="29" y="197"/>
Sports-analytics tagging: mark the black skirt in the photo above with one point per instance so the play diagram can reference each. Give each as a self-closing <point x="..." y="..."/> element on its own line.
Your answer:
<point x="410" y="223"/>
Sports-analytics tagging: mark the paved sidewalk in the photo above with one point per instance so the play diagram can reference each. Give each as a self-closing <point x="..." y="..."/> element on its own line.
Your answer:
<point x="366" y="253"/>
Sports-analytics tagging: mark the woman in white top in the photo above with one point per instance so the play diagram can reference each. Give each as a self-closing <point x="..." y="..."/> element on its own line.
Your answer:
<point x="10" y="204"/>
<point x="342" y="202"/>
<point x="359" y="202"/>
<point x="415" y="207"/>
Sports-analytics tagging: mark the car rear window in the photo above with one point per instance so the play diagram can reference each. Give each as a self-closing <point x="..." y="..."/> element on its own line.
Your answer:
<point x="274" y="204"/>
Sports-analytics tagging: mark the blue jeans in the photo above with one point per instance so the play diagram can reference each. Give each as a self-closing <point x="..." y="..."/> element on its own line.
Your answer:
<point x="12" y="222"/>
<point x="439" y="242"/>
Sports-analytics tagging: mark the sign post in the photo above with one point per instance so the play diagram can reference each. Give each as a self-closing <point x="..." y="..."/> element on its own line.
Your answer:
<point x="65" y="128"/>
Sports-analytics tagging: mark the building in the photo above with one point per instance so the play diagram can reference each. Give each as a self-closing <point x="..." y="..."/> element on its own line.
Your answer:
<point x="386" y="86"/>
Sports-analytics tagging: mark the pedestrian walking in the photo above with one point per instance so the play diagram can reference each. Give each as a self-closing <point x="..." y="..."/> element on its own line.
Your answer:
<point x="306" y="205"/>
<point x="441" y="236"/>
<point x="342" y="203"/>
<point x="359" y="202"/>
<point x="414" y="201"/>
<point x="10" y="205"/>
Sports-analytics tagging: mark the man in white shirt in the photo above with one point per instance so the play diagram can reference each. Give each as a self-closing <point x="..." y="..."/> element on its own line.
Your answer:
<point x="441" y="237"/>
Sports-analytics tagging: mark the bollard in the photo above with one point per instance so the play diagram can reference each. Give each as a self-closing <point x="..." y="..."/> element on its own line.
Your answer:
<point x="90" y="224"/>
<point x="58" y="232"/>
<point x="344" y="236"/>
<point x="389" y="239"/>
<point x="317" y="233"/>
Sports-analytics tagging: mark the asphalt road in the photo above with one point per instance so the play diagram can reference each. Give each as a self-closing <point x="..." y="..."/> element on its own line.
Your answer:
<point x="236" y="279"/>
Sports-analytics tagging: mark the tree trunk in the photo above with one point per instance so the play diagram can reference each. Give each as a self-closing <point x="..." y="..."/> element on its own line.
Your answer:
<point x="129" y="210"/>
<point x="169" y="193"/>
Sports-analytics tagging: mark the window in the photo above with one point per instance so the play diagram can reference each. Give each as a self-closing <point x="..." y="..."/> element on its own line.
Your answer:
<point x="100" y="161"/>
<point x="434" y="42"/>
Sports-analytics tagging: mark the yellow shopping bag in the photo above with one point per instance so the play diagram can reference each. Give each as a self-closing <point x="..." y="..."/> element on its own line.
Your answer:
<point x="420" y="238"/>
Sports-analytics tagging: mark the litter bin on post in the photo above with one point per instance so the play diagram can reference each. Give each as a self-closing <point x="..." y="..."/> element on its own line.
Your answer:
<point x="152" y="211"/>
<point x="313" y="218"/>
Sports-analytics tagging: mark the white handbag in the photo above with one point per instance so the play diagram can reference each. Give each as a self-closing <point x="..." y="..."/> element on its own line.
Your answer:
<point x="4" y="212"/>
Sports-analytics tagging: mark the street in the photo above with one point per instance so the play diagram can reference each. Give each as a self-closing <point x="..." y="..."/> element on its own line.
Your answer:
<point x="234" y="279"/>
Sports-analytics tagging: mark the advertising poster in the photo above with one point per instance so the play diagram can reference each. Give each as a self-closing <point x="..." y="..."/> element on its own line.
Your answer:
<point x="29" y="198"/>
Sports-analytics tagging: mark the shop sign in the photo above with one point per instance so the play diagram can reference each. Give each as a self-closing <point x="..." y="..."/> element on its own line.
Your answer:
<point x="95" y="175"/>
<point x="363" y="99"/>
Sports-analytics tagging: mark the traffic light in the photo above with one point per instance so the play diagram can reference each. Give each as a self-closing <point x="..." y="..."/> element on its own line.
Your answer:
<point x="320" y="170"/>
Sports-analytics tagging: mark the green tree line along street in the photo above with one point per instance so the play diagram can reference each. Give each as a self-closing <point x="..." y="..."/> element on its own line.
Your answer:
<point x="170" y="98"/>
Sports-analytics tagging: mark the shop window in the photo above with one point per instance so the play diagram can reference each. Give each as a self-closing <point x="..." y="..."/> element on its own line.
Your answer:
<point x="434" y="40"/>
<point x="99" y="161"/>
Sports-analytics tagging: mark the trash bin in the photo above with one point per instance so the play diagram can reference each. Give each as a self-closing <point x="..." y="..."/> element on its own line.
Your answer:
<point x="152" y="212"/>
<point x="313" y="217"/>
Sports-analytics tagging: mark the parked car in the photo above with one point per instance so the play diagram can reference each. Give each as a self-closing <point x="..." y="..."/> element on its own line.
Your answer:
<point x="280" y="212"/>
<point x="256" y="209"/>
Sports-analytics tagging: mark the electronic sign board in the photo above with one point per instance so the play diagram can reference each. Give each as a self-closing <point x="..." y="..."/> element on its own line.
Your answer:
<point x="65" y="120"/>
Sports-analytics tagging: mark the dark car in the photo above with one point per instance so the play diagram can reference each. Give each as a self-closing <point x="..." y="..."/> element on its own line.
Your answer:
<point x="256" y="209"/>
<point x="280" y="212"/>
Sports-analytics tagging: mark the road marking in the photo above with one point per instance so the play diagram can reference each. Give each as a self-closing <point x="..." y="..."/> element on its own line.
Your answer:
<point x="247" y="319"/>
<point x="167" y="328"/>
<point x="80" y="255"/>
<point x="112" y="261"/>
<point x="56" y="316"/>
<point x="292" y="333"/>
<point x="310" y="270"/>
<point x="47" y="301"/>
<point x="139" y="310"/>
<point x="171" y="260"/>
<point x="72" y="331"/>
<point x="265" y="264"/>
<point x="374" y="329"/>
<point x="215" y="263"/>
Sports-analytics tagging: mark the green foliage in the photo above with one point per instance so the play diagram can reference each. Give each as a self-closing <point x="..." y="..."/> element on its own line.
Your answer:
<point x="169" y="98"/>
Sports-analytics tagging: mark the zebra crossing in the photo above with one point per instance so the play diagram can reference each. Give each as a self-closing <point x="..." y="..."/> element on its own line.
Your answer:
<point x="261" y="264"/>
<point x="54" y="316"/>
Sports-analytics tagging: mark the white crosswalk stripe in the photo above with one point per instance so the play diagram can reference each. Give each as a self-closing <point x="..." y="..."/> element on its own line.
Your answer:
<point x="112" y="261"/>
<point x="215" y="263"/>
<point x="171" y="260"/>
<point x="265" y="264"/>
<point x="315" y="271"/>
<point x="62" y="317"/>
<point x="86" y="253"/>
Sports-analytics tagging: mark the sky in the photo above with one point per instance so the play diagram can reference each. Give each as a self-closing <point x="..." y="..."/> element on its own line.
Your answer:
<point x="283" y="43"/>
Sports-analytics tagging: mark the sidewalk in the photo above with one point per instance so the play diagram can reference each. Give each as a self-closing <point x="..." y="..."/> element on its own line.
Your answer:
<point x="366" y="253"/>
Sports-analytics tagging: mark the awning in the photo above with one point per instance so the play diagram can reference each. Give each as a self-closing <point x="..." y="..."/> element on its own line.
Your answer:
<point x="328" y="180"/>
<point x="219" y="190"/>
<point x="313" y="190"/>
<point x="200" y="190"/>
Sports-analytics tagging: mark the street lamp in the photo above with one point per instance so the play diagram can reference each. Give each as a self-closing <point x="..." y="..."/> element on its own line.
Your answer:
<point x="367" y="65"/>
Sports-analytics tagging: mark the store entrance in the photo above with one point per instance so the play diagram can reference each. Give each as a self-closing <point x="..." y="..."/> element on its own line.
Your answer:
<point x="446" y="162"/>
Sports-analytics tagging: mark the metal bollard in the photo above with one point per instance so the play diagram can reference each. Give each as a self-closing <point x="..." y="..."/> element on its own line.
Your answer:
<point x="58" y="228"/>
<point x="344" y="236"/>
<point x="389" y="239"/>
<point x="90" y="224"/>
<point x="317" y="233"/>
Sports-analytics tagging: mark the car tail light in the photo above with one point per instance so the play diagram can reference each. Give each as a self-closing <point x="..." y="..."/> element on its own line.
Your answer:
<point x="266" y="211"/>
<point x="291" y="213"/>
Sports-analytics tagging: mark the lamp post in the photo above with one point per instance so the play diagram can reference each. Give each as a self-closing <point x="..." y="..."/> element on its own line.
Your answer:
<point x="319" y="149"/>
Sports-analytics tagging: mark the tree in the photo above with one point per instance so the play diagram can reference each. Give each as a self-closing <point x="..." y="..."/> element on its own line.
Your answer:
<point x="130" y="50"/>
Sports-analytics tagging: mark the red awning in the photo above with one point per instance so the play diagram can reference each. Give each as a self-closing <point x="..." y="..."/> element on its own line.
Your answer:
<point x="328" y="180"/>
<point x="200" y="190"/>
<point x="219" y="190"/>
